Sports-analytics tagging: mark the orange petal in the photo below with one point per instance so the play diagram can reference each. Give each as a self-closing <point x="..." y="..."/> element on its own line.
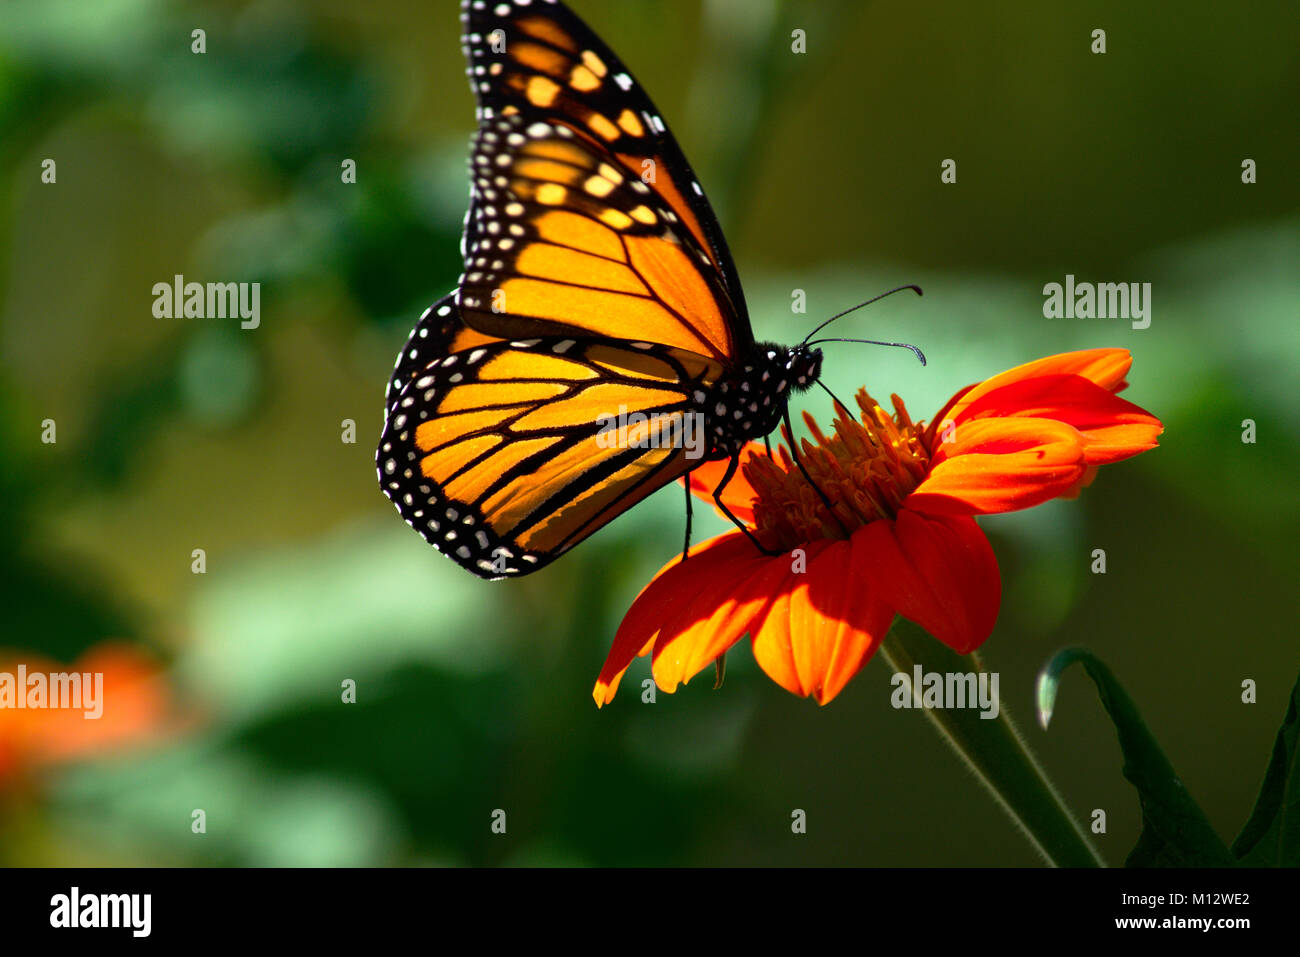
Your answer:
<point x="1112" y="428"/>
<point x="939" y="572"/>
<point x="1105" y="368"/>
<point x="1000" y="465"/>
<point x="823" y="625"/>
<point x="1107" y="445"/>
<point x="719" y="615"/>
<point x="739" y="495"/>
<point x="1089" y="474"/>
<point x="612" y="674"/>
<point x="673" y="589"/>
<point x="771" y="639"/>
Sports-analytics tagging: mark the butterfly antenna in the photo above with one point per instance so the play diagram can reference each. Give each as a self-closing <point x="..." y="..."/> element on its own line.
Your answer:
<point x="840" y="315"/>
<point x="875" y="342"/>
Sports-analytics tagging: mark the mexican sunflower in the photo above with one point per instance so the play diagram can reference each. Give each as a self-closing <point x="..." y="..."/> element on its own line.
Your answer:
<point x="901" y="538"/>
<point x="136" y="706"/>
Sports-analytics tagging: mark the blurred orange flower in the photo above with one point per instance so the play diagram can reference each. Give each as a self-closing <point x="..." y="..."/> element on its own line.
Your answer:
<point x="133" y="701"/>
<point x="901" y="538"/>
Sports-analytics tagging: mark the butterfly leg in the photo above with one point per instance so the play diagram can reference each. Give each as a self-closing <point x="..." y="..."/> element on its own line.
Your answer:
<point x="722" y="506"/>
<point x="794" y="454"/>
<point x="686" y="545"/>
<point x="767" y="441"/>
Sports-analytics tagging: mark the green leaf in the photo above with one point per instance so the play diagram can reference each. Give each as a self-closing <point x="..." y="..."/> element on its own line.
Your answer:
<point x="1175" y="831"/>
<point x="1271" y="838"/>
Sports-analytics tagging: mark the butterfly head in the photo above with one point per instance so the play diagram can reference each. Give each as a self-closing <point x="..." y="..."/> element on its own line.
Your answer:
<point x="803" y="365"/>
<point x="775" y="371"/>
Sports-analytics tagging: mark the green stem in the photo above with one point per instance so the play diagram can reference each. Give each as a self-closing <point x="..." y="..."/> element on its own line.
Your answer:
<point x="995" y="750"/>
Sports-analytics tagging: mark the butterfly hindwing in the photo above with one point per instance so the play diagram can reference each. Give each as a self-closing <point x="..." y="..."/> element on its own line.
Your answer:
<point x="505" y="455"/>
<point x="538" y="61"/>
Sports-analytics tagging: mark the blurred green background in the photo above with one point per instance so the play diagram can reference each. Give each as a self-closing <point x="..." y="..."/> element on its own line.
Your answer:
<point x="181" y="434"/>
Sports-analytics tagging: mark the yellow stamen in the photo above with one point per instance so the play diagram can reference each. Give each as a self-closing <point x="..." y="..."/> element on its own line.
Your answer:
<point x="866" y="469"/>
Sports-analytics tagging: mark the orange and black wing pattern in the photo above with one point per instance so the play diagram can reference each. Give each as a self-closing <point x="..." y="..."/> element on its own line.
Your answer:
<point x="536" y="61"/>
<point x="505" y="455"/>
<point x="597" y="284"/>
<point x="562" y="242"/>
<point x="438" y="334"/>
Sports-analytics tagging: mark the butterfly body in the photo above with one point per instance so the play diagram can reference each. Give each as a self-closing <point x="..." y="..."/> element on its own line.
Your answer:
<point x="748" y="401"/>
<point x="597" y="282"/>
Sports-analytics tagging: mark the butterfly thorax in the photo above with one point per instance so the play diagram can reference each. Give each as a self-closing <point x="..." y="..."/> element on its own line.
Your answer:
<point x="749" y="400"/>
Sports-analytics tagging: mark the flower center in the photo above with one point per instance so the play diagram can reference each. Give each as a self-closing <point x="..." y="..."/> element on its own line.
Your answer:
<point x="866" y="469"/>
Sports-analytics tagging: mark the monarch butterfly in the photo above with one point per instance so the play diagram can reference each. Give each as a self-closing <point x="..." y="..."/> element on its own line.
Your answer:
<point x="597" y="281"/>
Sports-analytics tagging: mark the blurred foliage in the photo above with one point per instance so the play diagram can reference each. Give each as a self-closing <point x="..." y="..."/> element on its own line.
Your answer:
<point x="182" y="434"/>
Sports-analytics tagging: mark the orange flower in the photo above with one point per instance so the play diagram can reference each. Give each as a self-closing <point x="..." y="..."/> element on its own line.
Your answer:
<point x="901" y="539"/>
<point x="132" y="701"/>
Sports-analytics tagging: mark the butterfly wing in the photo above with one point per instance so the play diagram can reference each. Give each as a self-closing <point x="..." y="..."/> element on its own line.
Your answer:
<point x="586" y="215"/>
<point x="438" y="333"/>
<point x="562" y="243"/>
<point x="505" y="455"/>
<point x="597" y="282"/>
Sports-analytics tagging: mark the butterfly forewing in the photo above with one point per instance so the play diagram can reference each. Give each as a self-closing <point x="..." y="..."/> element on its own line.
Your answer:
<point x="563" y="242"/>
<point x="537" y="60"/>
